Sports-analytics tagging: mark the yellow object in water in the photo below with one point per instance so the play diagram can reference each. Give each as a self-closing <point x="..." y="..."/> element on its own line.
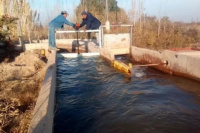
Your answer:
<point x="123" y="67"/>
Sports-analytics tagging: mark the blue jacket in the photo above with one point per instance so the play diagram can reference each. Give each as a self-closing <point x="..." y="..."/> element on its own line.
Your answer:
<point x="59" y="21"/>
<point x="91" y="22"/>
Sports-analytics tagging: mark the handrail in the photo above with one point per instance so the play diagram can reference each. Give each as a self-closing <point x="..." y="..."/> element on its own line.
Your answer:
<point x="75" y="31"/>
<point x="82" y="31"/>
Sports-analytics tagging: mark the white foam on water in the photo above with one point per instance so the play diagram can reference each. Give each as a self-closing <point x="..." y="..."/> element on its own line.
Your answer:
<point x="138" y="72"/>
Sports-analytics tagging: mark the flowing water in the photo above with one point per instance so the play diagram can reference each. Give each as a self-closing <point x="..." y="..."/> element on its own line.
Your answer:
<point x="93" y="97"/>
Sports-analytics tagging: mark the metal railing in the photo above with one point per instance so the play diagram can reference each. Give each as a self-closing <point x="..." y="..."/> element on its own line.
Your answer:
<point x="82" y="31"/>
<point x="101" y="32"/>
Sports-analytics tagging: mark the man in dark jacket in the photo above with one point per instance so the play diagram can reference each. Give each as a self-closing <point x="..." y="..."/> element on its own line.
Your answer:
<point x="91" y="22"/>
<point x="57" y="23"/>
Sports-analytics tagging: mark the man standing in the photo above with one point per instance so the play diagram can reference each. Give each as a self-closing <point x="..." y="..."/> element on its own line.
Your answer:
<point x="90" y="21"/>
<point x="57" y="23"/>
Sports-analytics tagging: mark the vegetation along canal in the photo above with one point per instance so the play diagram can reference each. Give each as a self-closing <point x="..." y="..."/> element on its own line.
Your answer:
<point x="93" y="97"/>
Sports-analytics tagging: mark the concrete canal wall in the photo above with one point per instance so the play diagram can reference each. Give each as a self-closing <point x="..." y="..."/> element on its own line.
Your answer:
<point x="42" y="121"/>
<point x="182" y="63"/>
<point x="115" y="44"/>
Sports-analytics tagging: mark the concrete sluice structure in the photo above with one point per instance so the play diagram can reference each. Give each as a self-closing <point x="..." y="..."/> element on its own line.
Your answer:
<point x="183" y="63"/>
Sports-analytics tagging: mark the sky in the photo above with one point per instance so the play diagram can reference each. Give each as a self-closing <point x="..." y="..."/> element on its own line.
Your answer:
<point x="176" y="10"/>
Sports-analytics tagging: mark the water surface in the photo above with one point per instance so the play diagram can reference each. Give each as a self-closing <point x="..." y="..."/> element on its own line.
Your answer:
<point x="93" y="97"/>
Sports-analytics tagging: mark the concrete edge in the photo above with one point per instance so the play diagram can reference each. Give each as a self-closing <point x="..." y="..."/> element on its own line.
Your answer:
<point x="43" y="115"/>
<point x="109" y="54"/>
<point x="177" y="63"/>
<point x="34" y="46"/>
<point x="74" y="55"/>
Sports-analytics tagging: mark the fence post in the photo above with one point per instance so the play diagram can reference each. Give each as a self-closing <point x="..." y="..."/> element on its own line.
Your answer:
<point x="100" y="43"/>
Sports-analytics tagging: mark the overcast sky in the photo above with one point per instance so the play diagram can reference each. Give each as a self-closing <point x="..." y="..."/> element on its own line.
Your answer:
<point x="177" y="10"/>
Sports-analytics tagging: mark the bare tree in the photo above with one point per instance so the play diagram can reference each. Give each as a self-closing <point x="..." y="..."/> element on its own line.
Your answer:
<point x="159" y="20"/>
<point x="140" y="13"/>
<point x="134" y="11"/>
<point x="19" y="27"/>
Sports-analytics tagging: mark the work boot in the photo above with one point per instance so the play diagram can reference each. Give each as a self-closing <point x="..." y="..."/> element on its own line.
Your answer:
<point x="54" y="48"/>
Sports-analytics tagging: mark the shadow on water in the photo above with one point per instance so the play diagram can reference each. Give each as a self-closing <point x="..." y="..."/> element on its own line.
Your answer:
<point x="63" y="50"/>
<point x="92" y="97"/>
<point x="81" y="43"/>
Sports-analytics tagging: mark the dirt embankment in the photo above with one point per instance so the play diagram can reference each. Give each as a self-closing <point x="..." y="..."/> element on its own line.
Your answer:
<point x="20" y="82"/>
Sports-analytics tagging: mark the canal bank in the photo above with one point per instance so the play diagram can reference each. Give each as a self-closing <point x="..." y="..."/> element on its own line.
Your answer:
<point x="43" y="115"/>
